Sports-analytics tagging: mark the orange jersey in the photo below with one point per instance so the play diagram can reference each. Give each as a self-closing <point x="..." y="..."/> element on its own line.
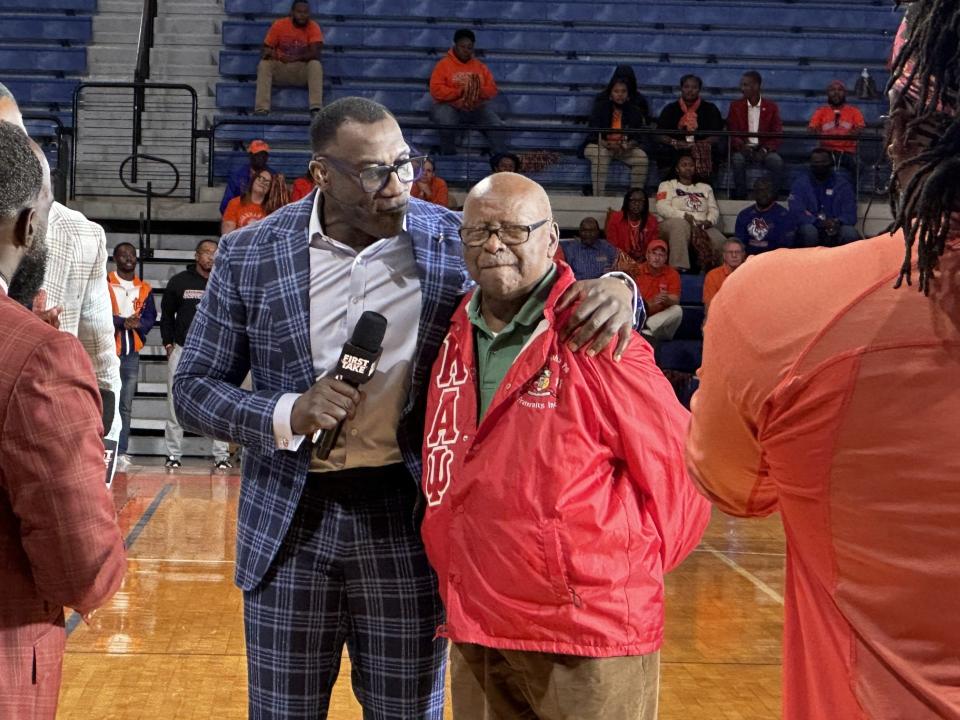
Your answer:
<point x="649" y="285"/>
<point x="450" y="78"/>
<point x="833" y="398"/>
<point x="825" y="122"/>
<point x="713" y="281"/>
<point x="243" y="213"/>
<point x="288" y="41"/>
<point x="438" y="192"/>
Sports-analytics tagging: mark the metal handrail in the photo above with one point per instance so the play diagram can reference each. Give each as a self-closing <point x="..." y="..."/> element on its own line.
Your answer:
<point x="61" y="131"/>
<point x="141" y="72"/>
<point x="138" y="87"/>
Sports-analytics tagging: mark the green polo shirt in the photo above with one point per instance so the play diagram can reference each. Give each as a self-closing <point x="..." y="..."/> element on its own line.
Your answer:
<point x="497" y="351"/>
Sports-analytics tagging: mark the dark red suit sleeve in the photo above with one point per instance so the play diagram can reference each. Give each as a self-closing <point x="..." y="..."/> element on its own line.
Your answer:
<point x="53" y="476"/>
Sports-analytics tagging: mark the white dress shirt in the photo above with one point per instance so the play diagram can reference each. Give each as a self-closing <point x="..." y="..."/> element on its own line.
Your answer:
<point x="3" y="285"/>
<point x="344" y="283"/>
<point x="753" y="122"/>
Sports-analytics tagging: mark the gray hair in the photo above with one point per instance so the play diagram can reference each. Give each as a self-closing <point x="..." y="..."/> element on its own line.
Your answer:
<point x="328" y="120"/>
<point x="22" y="178"/>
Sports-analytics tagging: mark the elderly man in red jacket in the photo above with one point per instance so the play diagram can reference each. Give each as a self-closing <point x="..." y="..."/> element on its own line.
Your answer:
<point x="59" y="540"/>
<point x="758" y="118"/>
<point x="556" y="490"/>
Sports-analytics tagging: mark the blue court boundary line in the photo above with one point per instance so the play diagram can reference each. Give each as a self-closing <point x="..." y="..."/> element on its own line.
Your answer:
<point x="129" y="541"/>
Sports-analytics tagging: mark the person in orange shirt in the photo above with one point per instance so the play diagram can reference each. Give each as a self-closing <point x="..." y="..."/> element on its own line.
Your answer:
<point x="267" y="193"/>
<point x="835" y="402"/>
<point x="838" y="118"/>
<point x="291" y="56"/>
<point x="659" y="286"/>
<point x="733" y="256"/>
<point x="462" y="87"/>
<point x="429" y="187"/>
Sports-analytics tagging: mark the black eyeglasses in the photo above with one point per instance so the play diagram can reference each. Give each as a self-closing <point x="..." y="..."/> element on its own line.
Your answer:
<point x="374" y="178"/>
<point x="507" y="234"/>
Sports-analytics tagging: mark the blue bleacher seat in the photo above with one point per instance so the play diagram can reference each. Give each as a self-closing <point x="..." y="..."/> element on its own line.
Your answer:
<point x="30" y="60"/>
<point x="692" y="323"/>
<point x="680" y="355"/>
<point x="691" y="289"/>
<point x="35" y="91"/>
<point x="41" y="28"/>
<point x="49" y="6"/>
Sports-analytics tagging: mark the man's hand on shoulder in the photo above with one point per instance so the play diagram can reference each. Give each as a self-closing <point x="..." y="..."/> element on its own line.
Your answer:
<point x="605" y="312"/>
<point x="51" y="316"/>
<point x="325" y="405"/>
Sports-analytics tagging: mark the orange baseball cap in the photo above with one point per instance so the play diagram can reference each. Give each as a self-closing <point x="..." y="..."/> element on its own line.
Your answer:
<point x="258" y="146"/>
<point x="657" y="243"/>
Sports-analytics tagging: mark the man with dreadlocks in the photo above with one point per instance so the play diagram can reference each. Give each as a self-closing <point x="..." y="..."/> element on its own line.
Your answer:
<point x="836" y="402"/>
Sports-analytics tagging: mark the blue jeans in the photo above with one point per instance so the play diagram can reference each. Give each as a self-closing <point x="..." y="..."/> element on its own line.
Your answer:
<point x="772" y="163"/>
<point x="450" y="119"/>
<point x="812" y="236"/>
<point x="129" y="375"/>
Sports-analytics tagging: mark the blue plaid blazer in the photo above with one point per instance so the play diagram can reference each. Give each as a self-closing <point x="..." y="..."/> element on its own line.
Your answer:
<point x="255" y="317"/>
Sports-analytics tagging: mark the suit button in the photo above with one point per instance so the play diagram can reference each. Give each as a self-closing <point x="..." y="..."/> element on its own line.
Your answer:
<point x="285" y="442"/>
<point x="459" y="510"/>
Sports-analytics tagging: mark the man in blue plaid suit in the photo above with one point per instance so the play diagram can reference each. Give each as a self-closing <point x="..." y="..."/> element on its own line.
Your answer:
<point x="328" y="551"/>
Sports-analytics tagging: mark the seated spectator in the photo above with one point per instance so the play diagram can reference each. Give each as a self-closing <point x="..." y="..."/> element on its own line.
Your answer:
<point x="690" y="214"/>
<point x="824" y="204"/>
<point x="758" y="116"/>
<point x="630" y="228"/>
<point x="506" y="162"/>
<point x="766" y="225"/>
<point x="429" y="187"/>
<point x="302" y="186"/>
<point x="462" y="87"/>
<point x="698" y="119"/>
<point x="589" y="255"/>
<point x="266" y="194"/>
<point x="844" y="121"/>
<point x="239" y="181"/>
<point x="617" y="110"/>
<point x="659" y="286"/>
<point x="291" y="56"/>
<point x="733" y="257"/>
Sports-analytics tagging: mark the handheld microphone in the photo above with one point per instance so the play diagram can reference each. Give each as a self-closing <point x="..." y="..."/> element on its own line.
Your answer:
<point x="357" y="365"/>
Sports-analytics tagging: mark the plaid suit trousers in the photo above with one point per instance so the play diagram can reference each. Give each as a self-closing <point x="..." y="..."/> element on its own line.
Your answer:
<point x="352" y="570"/>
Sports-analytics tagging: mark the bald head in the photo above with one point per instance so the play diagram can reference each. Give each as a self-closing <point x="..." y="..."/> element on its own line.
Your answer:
<point x="508" y="264"/>
<point x="9" y="110"/>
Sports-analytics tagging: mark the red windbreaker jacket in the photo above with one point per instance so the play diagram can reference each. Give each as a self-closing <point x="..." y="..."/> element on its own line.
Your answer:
<point x="550" y="524"/>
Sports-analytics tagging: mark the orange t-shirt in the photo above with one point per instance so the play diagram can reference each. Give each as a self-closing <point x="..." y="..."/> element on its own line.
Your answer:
<point x="832" y="398"/>
<point x="649" y="285"/>
<point x="450" y="78"/>
<point x="288" y="41"/>
<point x="825" y="122"/>
<point x="438" y="192"/>
<point x="713" y="281"/>
<point x="243" y="213"/>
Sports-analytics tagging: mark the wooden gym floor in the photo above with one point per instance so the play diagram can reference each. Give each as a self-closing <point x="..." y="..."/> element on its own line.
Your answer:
<point x="170" y="643"/>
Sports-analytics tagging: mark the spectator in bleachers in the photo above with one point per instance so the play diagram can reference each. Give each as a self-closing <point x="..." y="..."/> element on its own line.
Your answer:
<point x="506" y="162"/>
<point x="430" y="187"/>
<point x="266" y="194"/>
<point x="824" y="204"/>
<point x="462" y="88"/>
<point x="291" y="57"/>
<point x="696" y="117"/>
<point x="633" y="226"/>
<point x="759" y="117"/>
<point x="845" y="121"/>
<point x="733" y="257"/>
<point x="302" y="186"/>
<point x="589" y="255"/>
<point x="659" y="286"/>
<point x="690" y="214"/>
<point x="239" y="181"/>
<point x="766" y="225"/>
<point x="134" y="314"/>
<point x="617" y="110"/>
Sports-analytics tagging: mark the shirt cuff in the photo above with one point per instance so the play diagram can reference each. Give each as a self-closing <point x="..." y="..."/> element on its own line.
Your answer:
<point x="639" y="313"/>
<point x="283" y="434"/>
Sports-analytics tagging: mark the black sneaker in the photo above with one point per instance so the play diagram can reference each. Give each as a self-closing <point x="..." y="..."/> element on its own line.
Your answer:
<point x="172" y="463"/>
<point x="224" y="464"/>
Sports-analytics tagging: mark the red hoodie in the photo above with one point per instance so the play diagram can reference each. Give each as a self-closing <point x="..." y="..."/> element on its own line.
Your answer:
<point x="551" y="524"/>
<point x="449" y="78"/>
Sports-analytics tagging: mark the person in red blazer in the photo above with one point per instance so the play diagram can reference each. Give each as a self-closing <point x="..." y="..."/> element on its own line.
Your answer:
<point x="59" y="540"/>
<point x="760" y="148"/>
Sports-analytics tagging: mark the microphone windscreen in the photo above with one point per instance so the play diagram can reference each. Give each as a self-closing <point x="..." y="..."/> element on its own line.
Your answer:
<point x="108" y="399"/>
<point x="369" y="332"/>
